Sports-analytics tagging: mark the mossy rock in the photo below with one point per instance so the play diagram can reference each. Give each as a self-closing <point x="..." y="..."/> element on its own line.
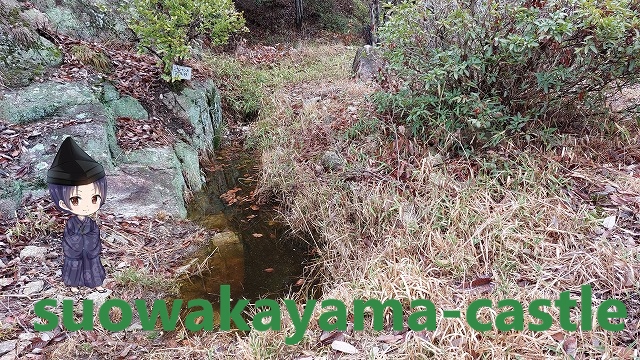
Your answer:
<point x="126" y="106"/>
<point x="87" y="19"/>
<point x="39" y="101"/>
<point x="20" y="64"/>
<point x="200" y="105"/>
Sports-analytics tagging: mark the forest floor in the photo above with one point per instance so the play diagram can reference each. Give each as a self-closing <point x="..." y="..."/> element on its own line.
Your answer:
<point x="392" y="219"/>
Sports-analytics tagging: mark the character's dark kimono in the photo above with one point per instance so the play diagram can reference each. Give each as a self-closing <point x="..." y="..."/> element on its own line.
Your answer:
<point x="81" y="247"/>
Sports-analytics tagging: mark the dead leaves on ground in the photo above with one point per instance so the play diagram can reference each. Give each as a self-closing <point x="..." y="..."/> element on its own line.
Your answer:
<point x="137" y="75"/>
<point x="141" y="133"/>
<point x="229" y="197"/>
<point x="260" y="54"/>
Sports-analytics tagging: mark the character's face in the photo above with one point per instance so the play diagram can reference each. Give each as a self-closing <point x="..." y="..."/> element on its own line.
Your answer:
<point x="85" y="200"/>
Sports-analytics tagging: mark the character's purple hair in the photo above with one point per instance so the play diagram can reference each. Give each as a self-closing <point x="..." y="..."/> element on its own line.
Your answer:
<point x="63" y="192"/>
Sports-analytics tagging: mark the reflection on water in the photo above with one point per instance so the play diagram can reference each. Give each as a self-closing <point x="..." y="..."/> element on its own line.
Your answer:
<point x="252" y="252"/>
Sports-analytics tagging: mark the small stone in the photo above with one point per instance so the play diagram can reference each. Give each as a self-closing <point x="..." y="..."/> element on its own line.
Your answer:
<point x="35" y="252"/>
<point x="7" y="346"/>
<point x="27" y="336"/>
<point x="313" y="100"/>
<point x="33" y="287"/>
<point x="9" y="356"/>
<point x="225" y="238"/>
<point x="134" y="327"/>
<point x="8" y="209"/>
<point x="98" y="297"/>
<point x="609" y="222"/>
<point x="332" y="161"/>
<point x="38" y="148"/>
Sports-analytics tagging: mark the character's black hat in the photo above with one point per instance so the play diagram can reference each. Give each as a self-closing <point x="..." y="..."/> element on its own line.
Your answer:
<point x="73" y="166"/>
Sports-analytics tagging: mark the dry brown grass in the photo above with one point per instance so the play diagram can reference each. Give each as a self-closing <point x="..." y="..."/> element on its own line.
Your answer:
<point x="398" y="222"/>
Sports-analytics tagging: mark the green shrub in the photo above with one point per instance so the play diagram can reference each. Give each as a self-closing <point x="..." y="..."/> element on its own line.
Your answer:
<point x="480" y="73"/>
<point x="169" y="27"/>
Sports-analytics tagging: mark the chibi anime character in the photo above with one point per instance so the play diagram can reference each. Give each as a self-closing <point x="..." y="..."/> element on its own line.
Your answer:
<point x="78" y="185"/>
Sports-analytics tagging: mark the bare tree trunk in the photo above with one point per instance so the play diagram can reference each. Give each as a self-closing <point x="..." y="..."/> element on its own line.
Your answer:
<point x="298" y="6"/>
<point x="374" y="19"/>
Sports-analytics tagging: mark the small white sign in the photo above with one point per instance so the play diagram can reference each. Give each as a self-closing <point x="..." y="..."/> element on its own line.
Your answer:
<point x="180" y="72"/>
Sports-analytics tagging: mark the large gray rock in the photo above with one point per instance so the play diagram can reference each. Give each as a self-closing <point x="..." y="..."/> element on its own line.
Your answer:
<point x="7" y="346"/>
<point x="126" y="106"/>
<point x="33" y="252"/>
<point x="85" y="19"/>
<point x="91" y="136"/>
<point x="201" y="106"/>
<point x="188" y="157"/>
<point x="39" y="101"/>
<point x="147" y="182"/>
<point x="367" y="63"/>
<point x="20" y="64"/>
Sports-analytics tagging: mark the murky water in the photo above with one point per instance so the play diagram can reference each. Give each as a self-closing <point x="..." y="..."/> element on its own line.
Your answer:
<point x="252" y="253"/>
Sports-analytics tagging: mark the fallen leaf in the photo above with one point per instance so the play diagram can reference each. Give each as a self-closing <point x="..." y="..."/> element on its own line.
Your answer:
<point x="344" y="347"/>
<point x="424" y="335"/>
<point x="457" y="342"/>
<point x="609" y="222"/>
<point x="623" y="352"/>
<point x="254" y="207"/>
<point x="300" y="282"/>
<point x="482" y="285"/>
<point x="483" y="280"/>
<point x="570" y="346"/>
<point x="327" y="337"/>
<point x="268" y="270"/>
<point x="125" y="352"/>
<point x="389" y="339"/>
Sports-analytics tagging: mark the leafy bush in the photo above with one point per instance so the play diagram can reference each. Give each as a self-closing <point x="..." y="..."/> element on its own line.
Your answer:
<point x="168" y="27"/>
<point x="491" y="69"/>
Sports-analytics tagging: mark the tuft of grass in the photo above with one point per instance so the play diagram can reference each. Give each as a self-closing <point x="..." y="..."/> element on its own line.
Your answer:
<point x="7" y="332"/>
<point x="90" y="57"/>
<point x="142" y="279"/>
<point x="36" y="223"/>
